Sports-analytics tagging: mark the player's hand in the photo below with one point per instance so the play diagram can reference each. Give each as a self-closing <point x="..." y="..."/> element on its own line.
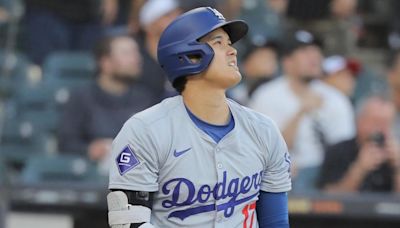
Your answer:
<point x="370" y="157"/>
<point x="310" y="101"/>
<point x="99" y="148"/>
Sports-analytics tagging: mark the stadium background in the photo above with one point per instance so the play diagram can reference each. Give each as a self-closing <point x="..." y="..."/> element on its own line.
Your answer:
<point x="40" y="187"/>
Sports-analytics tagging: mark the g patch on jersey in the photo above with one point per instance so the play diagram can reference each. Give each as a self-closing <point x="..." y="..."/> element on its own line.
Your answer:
<point x="126" y="160"/>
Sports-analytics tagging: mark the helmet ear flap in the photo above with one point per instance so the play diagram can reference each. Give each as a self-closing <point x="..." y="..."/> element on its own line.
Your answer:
<point x="193" y="59"/>
<point x="197" y="56"/>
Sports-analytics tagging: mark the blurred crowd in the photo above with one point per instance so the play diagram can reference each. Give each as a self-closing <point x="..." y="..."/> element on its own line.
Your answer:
<point x="326" y="71"/>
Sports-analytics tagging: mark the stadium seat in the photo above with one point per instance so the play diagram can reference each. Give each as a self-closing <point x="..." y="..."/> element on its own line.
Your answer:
<point x="65" y="71"/>
<point x="59" y="168"/>
<point x="35" y="105"/>
<point x="3" y="172"/>
<point x="19" y="141"/>
<point x="70" y="64"/>
<point x="69" y="68"/>
<point x="13" y="72"/>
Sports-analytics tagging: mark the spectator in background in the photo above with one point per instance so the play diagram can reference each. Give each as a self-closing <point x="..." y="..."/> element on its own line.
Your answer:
<point x="187" y="5"/>
<point x="116" y="16"/>
<point x="335" y="21"/>
<point x="133" y="21"/>
<point x="126" y="19"/>
<point x="53" y="25"/>
<point x="341" y="73"/>
<point x="95" y="113"/>
<point x="307" y="10"/>
<point x="371" y="160"/>
<point x="393" y="79"/>
<point x="259" y="65"/>
<point x="267" y="18"/>
<point x="4" y="15"/>
<point x="154" y="17"/>
<point x="394" y="20"/>
<point x="5" y="18"/>
<point x="310" y="113"/>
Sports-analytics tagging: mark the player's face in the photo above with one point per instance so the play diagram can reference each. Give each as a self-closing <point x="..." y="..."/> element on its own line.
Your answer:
<point x="223" y="71"/>
<point x="125" y="58"/>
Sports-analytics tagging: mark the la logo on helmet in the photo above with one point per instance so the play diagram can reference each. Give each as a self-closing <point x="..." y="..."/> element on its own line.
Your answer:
<point x="216" y="13"/>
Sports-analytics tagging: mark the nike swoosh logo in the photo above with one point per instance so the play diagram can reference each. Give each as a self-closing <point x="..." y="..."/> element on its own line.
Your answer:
<point x="179" y="153"/>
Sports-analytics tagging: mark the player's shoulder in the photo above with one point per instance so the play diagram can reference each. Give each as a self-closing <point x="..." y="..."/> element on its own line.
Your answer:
<point x="251" y="117"/>
<point x="157" y="113"/>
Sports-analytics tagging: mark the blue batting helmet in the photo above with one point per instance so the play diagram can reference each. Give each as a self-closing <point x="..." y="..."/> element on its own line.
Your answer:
<point x="180" y="41"/>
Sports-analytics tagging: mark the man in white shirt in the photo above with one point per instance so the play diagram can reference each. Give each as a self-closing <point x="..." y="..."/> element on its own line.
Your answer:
<point x="310" y="113"/>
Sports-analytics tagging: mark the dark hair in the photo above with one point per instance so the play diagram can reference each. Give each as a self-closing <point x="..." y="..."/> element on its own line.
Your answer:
<point x="103" y="47"/>
<point x="179" y="84"/>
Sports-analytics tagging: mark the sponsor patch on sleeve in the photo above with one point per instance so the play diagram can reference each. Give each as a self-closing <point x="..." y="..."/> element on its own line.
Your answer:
<point x="126" y="160"/>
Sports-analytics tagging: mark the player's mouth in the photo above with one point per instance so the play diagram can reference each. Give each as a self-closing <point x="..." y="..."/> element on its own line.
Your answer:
<point x="233" y="64"/>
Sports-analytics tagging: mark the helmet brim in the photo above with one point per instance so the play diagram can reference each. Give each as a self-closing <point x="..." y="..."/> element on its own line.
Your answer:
<point x="236" y="29"/>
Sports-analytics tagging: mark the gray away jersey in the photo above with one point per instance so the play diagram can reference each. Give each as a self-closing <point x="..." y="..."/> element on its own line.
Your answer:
<point x="197" y="182"/>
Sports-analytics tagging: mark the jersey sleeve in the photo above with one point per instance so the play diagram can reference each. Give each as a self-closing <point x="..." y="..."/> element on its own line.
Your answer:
<point x="134" y="160"/>
<point x="276" y="176"/>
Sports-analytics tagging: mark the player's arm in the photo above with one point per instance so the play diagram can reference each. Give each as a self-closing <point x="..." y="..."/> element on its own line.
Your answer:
<point x="272" y="210"/>
<point x="129" y="209"/>
<point x="272" y="205"/>
<point x="133" y="168"/>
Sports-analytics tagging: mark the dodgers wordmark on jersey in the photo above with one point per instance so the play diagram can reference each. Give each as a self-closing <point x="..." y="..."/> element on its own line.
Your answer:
<point x="197" y="182"/>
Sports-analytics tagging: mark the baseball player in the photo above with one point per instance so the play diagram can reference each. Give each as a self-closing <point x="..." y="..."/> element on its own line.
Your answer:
<point x="199" y="159"/>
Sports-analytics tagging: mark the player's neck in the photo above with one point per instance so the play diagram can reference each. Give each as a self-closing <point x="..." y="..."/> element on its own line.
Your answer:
<point x="208" y="105"/>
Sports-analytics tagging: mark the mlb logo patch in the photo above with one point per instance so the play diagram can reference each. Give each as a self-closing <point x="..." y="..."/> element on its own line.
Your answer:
<point x="126" y="160"/>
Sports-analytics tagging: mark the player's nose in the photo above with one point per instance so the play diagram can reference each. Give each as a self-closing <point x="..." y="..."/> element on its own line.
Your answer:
<point x="232" y="51"/>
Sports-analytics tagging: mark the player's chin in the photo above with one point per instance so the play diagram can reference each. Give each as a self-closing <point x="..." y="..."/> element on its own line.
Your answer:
<point x="234" y="78"/>
<point x="236" y="74"/>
